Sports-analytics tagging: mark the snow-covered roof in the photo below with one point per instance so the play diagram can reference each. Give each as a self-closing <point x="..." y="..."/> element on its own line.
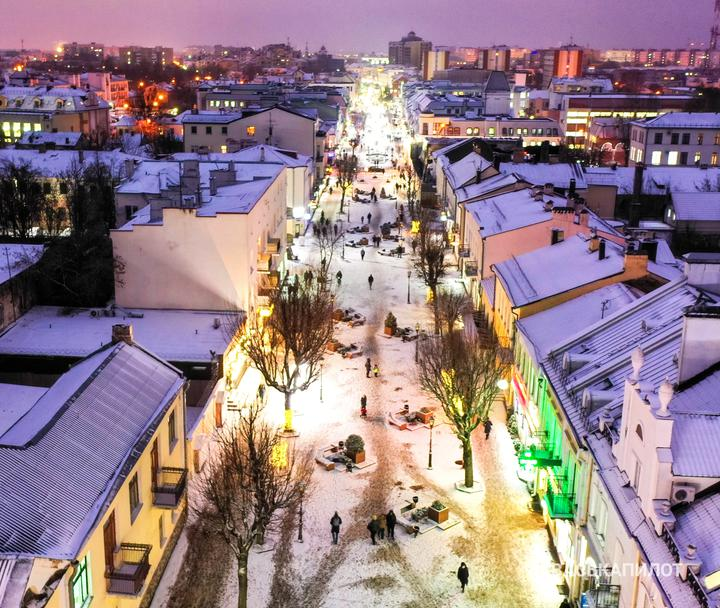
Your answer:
<point x="510" y="211"/>
<point x="43" y="99"/>
<point x="556" y="269"/>
<point x="656" y="180"/>
<point x="465" y="170"/>
<point x="487" y="185"/>
<point x="90" y="426"/>
<point x="175" y="335"/>
<point x="15" y="258"/>
<point x="696" y="206"/>
<point x="558" y="174"/>
<point x="253" y="154"/>
<point x="17" y="399"/>
<point x="682" y="120"/>
<point x="54" y="163"/>
<point x="60" y="139"/>
<point x="548" y="328"/>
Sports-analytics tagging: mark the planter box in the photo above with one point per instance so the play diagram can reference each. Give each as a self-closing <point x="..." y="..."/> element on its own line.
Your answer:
<point x="356" y="457"/>
<point x="425" y="417"/>
<point x="389" y="331"/>
<point x="338" y="314"/>
<point x="438" y="516"/>
<point x="332" y="346"/>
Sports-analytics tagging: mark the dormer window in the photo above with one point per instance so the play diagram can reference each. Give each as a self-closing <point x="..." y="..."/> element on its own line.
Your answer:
<point x="18" y="102"/>
<point x="59" y="104"/>
<point x="36" y="102"/>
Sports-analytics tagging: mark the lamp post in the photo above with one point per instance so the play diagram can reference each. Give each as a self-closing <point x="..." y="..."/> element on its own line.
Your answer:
<point x="343" y="249"/>
<point x="432" y="424"/>
<point x="409" y="275"/>
<point x="300" y="521"/>
<point x="417" y="340"/>
<point x="321" y="374"/>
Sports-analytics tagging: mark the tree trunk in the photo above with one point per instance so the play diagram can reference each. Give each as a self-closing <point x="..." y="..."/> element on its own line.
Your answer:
<point x="288" y="414"/>
<point x="242" y="574"/>
<point x="436" y="310"/>
<point x="468" y="463"/>
<point x="342" y="199"/>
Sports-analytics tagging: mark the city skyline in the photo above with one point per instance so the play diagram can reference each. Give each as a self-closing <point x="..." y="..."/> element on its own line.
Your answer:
<point x="646" y="23"/>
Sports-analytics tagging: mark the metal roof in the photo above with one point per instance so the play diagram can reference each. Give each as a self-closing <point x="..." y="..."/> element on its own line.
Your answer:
<point x="70" y="453"/>
<point x="696" y="206"/>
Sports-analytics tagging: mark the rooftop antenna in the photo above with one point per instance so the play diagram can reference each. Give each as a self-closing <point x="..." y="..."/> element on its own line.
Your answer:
<point x="715" y="31"/>
<point x="604" y="304"/>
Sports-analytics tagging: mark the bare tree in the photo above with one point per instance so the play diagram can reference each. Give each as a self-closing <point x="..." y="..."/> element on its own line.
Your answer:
<point x="286" y="347"/>
<point x="408" y="180"/>
<point x="22" y="200"/>
<point x="328" y="241"/>
<point x="347" y="167"/>
<point x="452" y="305"/>
<point x="462" y="373"/>
<point x="254" y="474"/>
<point x="430" y="260"/>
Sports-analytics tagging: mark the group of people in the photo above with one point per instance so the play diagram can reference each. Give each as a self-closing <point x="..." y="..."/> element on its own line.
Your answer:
<point x="369" y="367"/>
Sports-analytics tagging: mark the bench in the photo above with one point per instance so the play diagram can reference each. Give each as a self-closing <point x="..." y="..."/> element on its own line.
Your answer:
<point x="326" y="463"/>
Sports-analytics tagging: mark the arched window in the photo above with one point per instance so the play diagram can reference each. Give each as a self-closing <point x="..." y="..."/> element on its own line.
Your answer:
<point x="59" y="104"/>
<point x="37" y="102"/>
<point x="639" y="432"/>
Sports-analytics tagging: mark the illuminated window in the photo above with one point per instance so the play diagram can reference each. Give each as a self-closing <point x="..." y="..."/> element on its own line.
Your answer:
<point x="700" y="138"/>
<point x="468" y="130"/>
<point x="476" y="131"/>
<point x="714" y="159"/>
<point x="250" y="131"/>
<point x="639" y="156"/>
<point x="673" y="157"/>
<point x="717" y="139"/>
<point x="37" y="126"/>
<point x="27" y="127"/>
<point x="81" y="584"/>
<point x="223" y="149"/>
<point x="656" y="157"/>
<point x="6" y="129"/>
<point x="491" y="131"/>
<point x="697" y="157"/>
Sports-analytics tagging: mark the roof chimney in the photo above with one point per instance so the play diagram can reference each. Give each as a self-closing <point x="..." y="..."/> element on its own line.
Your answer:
<point x="122" y="333"/>
<point x="573" y="185"/>
<point x="638" y="180"/>
<point x="549" y="189"/>
<point x="703" y="270"/>
<point x="478" y="175"/>
<point x="601" y="249"/>
<point x="594" y="242"/>
<point x="699" y="345"/>
<point x="496" y="162"/>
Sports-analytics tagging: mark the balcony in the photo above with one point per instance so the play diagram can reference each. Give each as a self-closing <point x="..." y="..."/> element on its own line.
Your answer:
<point x="560" y="505"/>
<point x="470" y="268"/>
<point x="132" y="564"/>
<point x="273" y="245"/>
<point x="169" y="487"/>
<point x="264" y="263"/>
<point x="463" y="252"/>
<point x="603" y="595"/>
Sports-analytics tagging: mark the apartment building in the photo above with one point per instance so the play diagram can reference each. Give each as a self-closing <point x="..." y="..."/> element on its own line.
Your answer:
<point x="410" y="50"/>
<point x="145" y="55"/>
<point x="678" y="138"/>
<point x="115" y="421"/>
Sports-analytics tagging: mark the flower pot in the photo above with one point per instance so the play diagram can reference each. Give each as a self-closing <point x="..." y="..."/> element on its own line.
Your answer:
<point x="389" y="331"/>
<point x="424" y="417"/>
<point x="438" y="516"/>
<point x="357" y="457"/>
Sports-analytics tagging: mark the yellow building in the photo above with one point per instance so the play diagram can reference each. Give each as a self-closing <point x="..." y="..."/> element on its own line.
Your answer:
<point x="93" y="471"/>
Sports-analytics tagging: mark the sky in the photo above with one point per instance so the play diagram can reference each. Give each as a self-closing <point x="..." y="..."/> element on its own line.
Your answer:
<point x="357" y="25"/>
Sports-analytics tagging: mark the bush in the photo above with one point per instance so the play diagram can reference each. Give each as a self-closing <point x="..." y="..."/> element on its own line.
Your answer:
<point x="391" y="321"/>
<point x="437" y="505"/>
<point x="512" y="425"/>
<point x="354" y="444"/>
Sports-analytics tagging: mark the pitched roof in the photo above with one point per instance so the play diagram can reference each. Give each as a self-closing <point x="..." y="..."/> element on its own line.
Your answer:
<point x="64" y="460"/>
<point x="682" y="120"/>
<point x="558" y="174"/>
<point x="696" y="206"/>
<point x="16" y="258"/>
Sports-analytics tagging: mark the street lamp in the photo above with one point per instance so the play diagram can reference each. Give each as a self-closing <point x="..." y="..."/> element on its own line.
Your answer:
<point x="321" y="374"/>
<point x="432" y="424"/>
<point x="417" y="340"/>
<point x="409" y="275"/>
<point x="343" y="249"/>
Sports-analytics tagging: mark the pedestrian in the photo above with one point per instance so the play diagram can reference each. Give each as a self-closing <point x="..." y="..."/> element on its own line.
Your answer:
<point x="338" y="276"/>
<point x="335" y="522"/>
<point x="391" y="520"/>
<point x="488" y="427"/>
<point x="362" y="254"/>
<point x="374" y="528"/>
<point x="369" y="216"/>
<point x="370" y="281"/>
<point x="463" y="575"/>
<point x="363" y="406"/>
<point x="322" y="216"/>
<point x="324" y="231"/>
<point x="376" y="370"/>
<point x="362" y="219"/>
<point x="565" y="603"/>
<point x="414" y="245"/>
<point x="335" y="229"/>
<point x="382" y="519"/>
<point x="368" y="367"/>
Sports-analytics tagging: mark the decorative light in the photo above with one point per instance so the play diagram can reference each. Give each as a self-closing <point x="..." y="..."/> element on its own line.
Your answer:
<point x="503" y="384"/>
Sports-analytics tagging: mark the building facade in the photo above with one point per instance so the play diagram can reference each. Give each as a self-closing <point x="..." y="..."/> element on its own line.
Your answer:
<point x="410" y="50"/>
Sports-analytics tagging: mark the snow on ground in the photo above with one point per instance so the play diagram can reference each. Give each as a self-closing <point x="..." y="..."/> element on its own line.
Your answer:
<point x="504" y="544"/>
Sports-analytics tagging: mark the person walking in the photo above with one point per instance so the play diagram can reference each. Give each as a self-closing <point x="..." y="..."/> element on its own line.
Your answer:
<point x="391" y="520"/>
<point x="382" y="519"/>
<point x="335" y="229"/>
<point x="488" y="427"/>
<point x="338" y="276"/>
<point x="335" y="523"/>
<point x="463" y="575"/>
<point x="362" y="219"/>
<point x="369" y="216"/>
<point x="373" y="527"/>
<point x="376" y="370"/>
<point x="363" y="406"/>
<point x="565" y="603"/>
<point x="368" y="367"/>
<point x="362" y="254"/>
<point x="370" y="281"/>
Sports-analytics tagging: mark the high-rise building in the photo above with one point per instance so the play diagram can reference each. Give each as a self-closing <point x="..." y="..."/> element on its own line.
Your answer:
<point x="435" y="60"/>
<point x="137" y="55"/>
<point x="563" y="62"/>
<point x="409" y="50"/>
<point x="494" y="58"/>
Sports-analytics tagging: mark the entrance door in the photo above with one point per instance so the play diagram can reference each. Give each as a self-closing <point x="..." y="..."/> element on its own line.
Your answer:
<point x="110" y="543"/>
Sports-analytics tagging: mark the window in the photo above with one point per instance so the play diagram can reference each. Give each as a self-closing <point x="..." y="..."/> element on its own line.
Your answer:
<point x="251" y="130"/>
<point x="717" y="139"/>
<point x="491" y="131"/>
<point x="63" y="187"/>
<point x="696" y="158"/>
<point x="193" y="130"/>
<point x="223" y="149"/>
<point x="468" y="131"/>
<point x="135" y="504"/>
<point x="161" y="530"/>
<point x="673" y="157"/>
<point x="208" y="130"/>
<point x="424" y="128"/>
<point x="658" y="138"/>
<point x="638" y="428"/>
<point x="223" y="130"/>
<point x="637" y="474"/>
<point x="504" y="130"/>
<point x="714" y="159"/>
<point x="685" y="139"/>
<point x="37" y="126"/>
<point x="674" y="139"/>
<point x="700" y="139"/>
<point x="47" y="188"/>
<point x="656" y="157"/>
<point x="683" y="158"/>
<point x="81" y="584"/>
<point x="172" y="431"/>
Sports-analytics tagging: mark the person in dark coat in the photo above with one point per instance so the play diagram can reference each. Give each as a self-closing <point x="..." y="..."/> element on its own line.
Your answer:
<point x="363" y="406"/>
<point x="463" y="575"/>
<point x="362" y="254"/>
<point x="565" y="603"/>
<point x="382" y="519"/>
<point x="368" y="367"/>
<point x="338" y="276"/>
<point x="369" y="216"/>
<point x="335" y="523"/>
<point x="374" y="528"/>
<point x="391" y="521"/>
<point x="370" y="281"/>
<point x="488" y="427"/>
